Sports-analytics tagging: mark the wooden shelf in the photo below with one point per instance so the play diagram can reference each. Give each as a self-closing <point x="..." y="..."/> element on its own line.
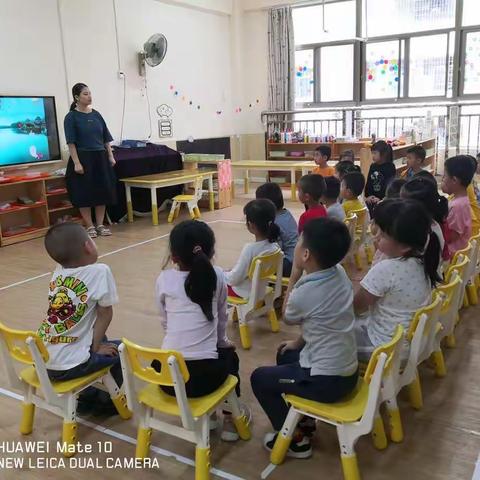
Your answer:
<point x="34" y="232"/>
<point x="297" y="144"/>
<point x="60" y="209"/>
<point x="53" y="194"/>
<point x="16" y="209"/>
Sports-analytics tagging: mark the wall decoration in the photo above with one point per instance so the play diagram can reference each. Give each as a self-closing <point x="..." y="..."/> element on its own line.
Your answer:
<point x="165" y="124"/>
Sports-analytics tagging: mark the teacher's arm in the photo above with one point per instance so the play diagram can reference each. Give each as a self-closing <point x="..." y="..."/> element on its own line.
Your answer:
<point x="76" y="161"/>
<point x="110" y="154"/>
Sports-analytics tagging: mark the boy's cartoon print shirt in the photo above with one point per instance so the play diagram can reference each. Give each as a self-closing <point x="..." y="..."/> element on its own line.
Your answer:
<point x="73" y="296"/>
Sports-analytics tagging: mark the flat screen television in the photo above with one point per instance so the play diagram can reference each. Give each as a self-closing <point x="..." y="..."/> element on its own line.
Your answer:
<point x="28" y="130"/>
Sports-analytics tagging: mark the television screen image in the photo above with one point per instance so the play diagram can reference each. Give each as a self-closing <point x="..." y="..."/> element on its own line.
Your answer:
<point x="28" y="130"/>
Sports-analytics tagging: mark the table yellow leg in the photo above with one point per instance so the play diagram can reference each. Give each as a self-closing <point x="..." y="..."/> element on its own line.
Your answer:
<point x="211" y="193"/>
<point x="128" y="194"/>
<point x="153" y="192"/>
<point x="245" y="182"/>
<point x="293" y="185"/>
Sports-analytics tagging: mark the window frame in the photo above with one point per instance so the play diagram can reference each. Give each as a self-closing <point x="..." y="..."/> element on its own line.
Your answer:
<point x="403" y="97"/>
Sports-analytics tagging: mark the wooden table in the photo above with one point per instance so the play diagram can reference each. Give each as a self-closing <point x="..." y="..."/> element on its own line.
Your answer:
<point x="167" y="179"/>
<point x="280" y="165"/>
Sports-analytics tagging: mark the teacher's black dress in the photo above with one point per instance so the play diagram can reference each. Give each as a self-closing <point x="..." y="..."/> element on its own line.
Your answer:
<point x="96" y="186"/>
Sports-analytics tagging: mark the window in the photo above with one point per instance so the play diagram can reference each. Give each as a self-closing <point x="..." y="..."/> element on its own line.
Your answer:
<point x="382" y="74"/>
<point x="472" y="63"/>
<point x="471" y="13"/>
<point x="338" y="24"/>
<point x="428" y="66"/>
<point x="389" y="17"/>
<point x="304" y="82"/>
<point x="336" y="84"/>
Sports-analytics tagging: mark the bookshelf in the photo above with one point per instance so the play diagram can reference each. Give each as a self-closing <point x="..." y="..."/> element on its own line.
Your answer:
<point x="24" y="221"/>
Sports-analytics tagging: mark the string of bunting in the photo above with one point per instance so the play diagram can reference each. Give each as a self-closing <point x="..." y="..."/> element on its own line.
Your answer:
<point x="176" y="93"/>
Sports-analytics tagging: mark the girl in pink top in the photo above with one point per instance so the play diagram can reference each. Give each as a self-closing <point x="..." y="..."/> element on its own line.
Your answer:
<point x="459" y="172"/>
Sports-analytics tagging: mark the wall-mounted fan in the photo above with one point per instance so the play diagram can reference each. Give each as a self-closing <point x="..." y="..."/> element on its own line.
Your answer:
<point x="154" y="51"/>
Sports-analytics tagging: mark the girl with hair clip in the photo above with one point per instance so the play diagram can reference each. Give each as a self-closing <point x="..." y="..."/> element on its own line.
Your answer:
<point x="260" y="217"/>
<point x="382" y="171"/>
<point x="192" y="301"/>
<point x="400" y="284"/>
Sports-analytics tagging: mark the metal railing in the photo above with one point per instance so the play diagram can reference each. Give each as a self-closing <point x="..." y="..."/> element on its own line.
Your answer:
<point x="456" y="126"/>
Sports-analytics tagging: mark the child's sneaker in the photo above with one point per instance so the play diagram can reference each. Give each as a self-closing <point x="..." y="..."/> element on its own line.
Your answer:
<point x="229" y="431"/>
<point x="297" y="449"/>
<point x="307" y="425"/>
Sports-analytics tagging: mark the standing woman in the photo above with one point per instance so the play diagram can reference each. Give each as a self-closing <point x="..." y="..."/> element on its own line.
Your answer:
<point x="90" y="177"/>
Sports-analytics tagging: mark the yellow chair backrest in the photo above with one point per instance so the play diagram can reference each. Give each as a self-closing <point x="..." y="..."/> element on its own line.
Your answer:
<point x="389" y="349"/>
<point x="351" y="223"/>
<point x="448" y="290"/>
<point x="466" y="252"/>
<point x="141" y="359"/>
<point x="361" y="214"/>
<point x="428" y="310"/>
<point x="461" y="267"/>
<point x="268" y="265"/>
<point x="16" y="342"/>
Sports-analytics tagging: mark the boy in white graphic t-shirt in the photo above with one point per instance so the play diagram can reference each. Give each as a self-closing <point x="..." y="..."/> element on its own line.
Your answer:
<point x="81" y="296"/>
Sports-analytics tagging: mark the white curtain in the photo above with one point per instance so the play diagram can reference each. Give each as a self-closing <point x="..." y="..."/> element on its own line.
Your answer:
<point x="281" y="56"/>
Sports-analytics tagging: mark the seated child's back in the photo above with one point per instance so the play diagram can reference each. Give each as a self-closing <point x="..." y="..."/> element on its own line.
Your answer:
<point x="311" y="188"/>
<point x="284" y="219"/>
<point x="260" y="215"/>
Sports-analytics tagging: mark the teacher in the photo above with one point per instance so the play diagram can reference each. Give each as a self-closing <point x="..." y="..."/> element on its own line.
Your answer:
<point x="90" y="177"/>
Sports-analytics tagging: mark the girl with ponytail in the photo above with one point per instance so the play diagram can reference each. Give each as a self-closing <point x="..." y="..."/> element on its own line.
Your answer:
<point x="260" y="217"/>
<point x="192" y="301"/>
<point x="397" y="286"/>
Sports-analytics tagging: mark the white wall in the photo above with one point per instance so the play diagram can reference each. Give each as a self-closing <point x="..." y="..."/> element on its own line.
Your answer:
<point x="197" y="61"/>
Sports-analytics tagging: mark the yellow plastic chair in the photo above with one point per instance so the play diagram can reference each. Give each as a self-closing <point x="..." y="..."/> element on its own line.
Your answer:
<point x="452" y="296"/>
<point x="461" y="263"/>
<point x="262" y="296"/>
<point x="459" y="268"/>
<point x="361" y="237"/>
<point x="59" y="398"/>
<point x="190" y="200"/>
<point x="472" y="284"/>
<point x="194" y="413"/>
<point x="421" y="337"/>
<point x="465" y="252"/>
<point x="351" y="223"/>
<point x="353" y="416"/>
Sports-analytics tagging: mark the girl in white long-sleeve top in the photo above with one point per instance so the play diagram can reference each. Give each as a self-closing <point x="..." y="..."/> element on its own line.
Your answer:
<point x="260" y="217"/>
<point x="192" y="302"/>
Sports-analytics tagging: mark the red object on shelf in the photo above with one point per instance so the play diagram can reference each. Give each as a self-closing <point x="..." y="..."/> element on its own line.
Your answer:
<point x="33" y="177"/>
<point x="19" y="231"/>
<point x="20" y="206"/>
<point x="56" y="190"/>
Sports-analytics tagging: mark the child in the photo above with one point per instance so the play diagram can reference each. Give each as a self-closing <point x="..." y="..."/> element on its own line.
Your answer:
<point x="424" y="190"/>
<point x="285" y="221"/>
<point x="321" y="157"/>
<point x="321" y="364"/>
<point x="352" y="186"/>
<point x="330" y="198"/>
<point x="82" y="293"/>
<point x="472" y="199"/>
<point x="260" y="216"/>
<point x="311" y="188"/>
<point x="343" y="167"/>
<point x="458" y="175"/>
<point x="382" y="171"/>
<point x="347" y="156"/>
<point x="192" y="301"/>
<point x="415" y="159"/>
<point x="399" y="285"/>
<point x="393" y="189"/>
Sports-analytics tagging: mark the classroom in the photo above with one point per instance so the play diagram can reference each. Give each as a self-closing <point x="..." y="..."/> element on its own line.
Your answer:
<point x="239" y="239"/>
